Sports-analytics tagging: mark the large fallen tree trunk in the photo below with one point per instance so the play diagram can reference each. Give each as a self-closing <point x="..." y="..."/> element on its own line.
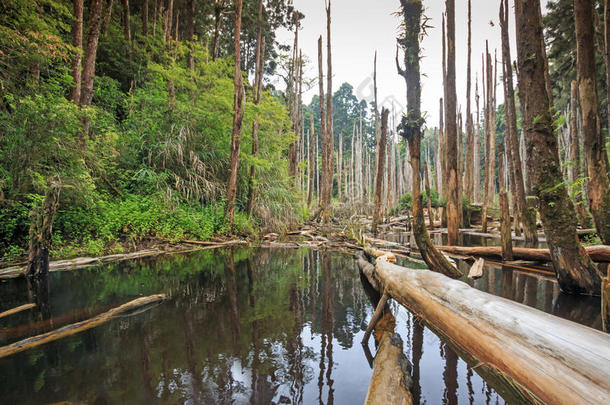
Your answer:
<point x="600" y="254"/>
<point x="78" y="327"/>
<point x="391" y="380"/>
<point x="545" y="358"/>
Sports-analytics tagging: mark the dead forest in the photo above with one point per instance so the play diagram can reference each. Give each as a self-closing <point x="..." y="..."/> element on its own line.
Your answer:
<point x="218" y="190"/>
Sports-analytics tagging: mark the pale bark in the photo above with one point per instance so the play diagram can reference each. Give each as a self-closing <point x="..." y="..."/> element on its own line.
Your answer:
<point x="453" y="216"/>
<point x="239" y="104"/>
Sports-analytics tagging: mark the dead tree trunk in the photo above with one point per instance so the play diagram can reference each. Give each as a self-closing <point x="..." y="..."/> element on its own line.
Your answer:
<point x="107" y="16"/>
<point x="379" y="171"/>
<point x="126" y="21"/>
<point x="410" y="129"/>
<point x="312" y="157"/>
<point x="239" y="104"/>
<point x="453" y="216"/>
<point x="468" y="176"/>
<point x="598" y="186"/>
<point x="323" y="136"/>
<point x="169" y="16"/>
<point x="77" y="42"/>
<point x="328" y="174"/>
<point x="522" y="352"/>
<point x="505" y="223"/>
<point x="574" y="269"/>
<point x="93" y="35"/>
<point x="292" y="90"/>
<point x="527" y="215"/>
<point x="145" y="17"/>
<point x="258" y="88"/>
<point x="490" y="135"/>
<point x="576" y="172"/>
<point x="41" y="231"/>
<point x="476" y="179"/>
<point x="429" y="196"/>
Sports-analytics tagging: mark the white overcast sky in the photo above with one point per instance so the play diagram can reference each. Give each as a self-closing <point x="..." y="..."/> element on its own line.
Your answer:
<point x="361" y="27"/>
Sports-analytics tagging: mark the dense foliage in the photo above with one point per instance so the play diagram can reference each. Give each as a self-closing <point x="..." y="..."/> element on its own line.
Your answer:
<point x="154" y="161"/>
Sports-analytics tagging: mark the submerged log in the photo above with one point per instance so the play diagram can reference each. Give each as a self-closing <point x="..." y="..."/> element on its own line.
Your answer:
<point x="391" y="381"/>
<point x="545" y="358"/>
<point x="600" y="254"/>
<point x="78" y="327"/>
<point x="17" y="310"/>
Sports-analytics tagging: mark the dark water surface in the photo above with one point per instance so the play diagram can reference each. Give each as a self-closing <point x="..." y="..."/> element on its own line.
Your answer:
<point x="247" y="326"/>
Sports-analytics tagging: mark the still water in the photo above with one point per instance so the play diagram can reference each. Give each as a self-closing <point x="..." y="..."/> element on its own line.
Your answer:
<point x="253" y="326"/>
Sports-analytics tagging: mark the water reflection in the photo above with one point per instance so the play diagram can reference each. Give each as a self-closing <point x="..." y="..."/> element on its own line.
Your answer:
<point x="245" y="326"/>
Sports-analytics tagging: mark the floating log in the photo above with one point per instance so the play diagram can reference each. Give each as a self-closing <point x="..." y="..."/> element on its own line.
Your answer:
<point x="78" y="327"/>
<point x="17" y="310"/>
<point x="599" y="254"/>
<point x="391" y="380"/>
<point x="544" y="358"/>
<point x="476" y="271"/>
<point x="372" y="252"/>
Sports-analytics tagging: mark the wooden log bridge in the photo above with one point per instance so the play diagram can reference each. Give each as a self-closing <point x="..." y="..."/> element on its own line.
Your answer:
<point x="78" y="327"/>
<point x="545" y="358"/>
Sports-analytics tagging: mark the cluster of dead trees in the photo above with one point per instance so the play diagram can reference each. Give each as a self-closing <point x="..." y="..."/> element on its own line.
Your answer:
<point x="537" y="187"/>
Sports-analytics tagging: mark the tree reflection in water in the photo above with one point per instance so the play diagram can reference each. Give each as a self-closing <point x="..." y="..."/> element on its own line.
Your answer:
<point x="240" y="326"/>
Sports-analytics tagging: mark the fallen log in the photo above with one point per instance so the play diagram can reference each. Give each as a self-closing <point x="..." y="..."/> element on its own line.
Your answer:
<point x="82" y="262"/>
<point x="391" y="380"/>
<point x="599" y="254"/>
<point x="544" y="358"/>
<point x="13" y="311"/>
<point x="78" y="327"/>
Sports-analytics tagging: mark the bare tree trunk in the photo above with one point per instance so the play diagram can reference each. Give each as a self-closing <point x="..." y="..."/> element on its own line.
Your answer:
<point x="574" y="269"/>
<point x="576" y="172"/>
<point x="468" y="177"/>
<point x="489" y="144"/>
<point x="380" y="171"/>
<point x="328" y="173"/>
<point x="169" y="19"/>
<point x="190" y="17"/>
<point x="126" y="21"/>
<point x="527" y="215"/>
<point x="41" y="230"/>
<point x="218" y="9"/>
<point x="239" y="104"/>
<point x="108" y="16"/>
<point x="410" y="129"/>
<point x="598" y="186"/>
<point x="429" y="196"/>
<point x="258" y="88"/>
<point x="77" y="42"/>
<point x="505" y="228"/>
<point x="292" y="100"/>
<point x="453" y="217"/>
<point x="312" y="138"/>
<point x="93" y="35"/>
<point x="145" y="18"/>
<point x="476" y="180"/>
